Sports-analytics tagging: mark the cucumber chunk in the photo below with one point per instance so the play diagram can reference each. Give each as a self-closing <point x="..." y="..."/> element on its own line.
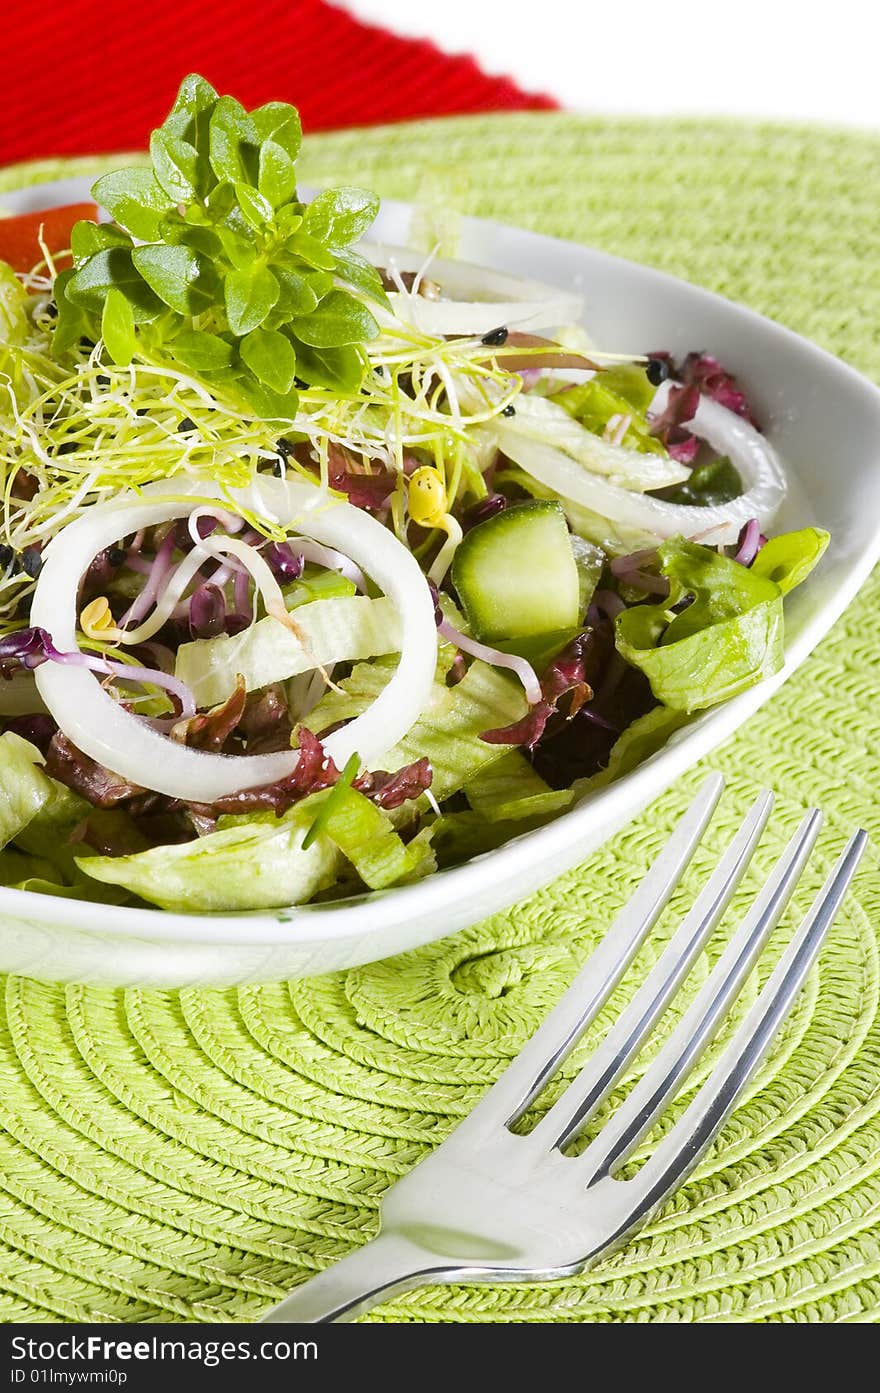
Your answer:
<point x="516" y="574"/>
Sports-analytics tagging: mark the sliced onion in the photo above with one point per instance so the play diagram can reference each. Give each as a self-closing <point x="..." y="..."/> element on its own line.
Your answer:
<point x="755" y="459"/>
<point x="104" y="730"/>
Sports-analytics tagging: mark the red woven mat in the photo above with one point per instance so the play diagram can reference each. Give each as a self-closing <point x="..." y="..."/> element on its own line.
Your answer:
<point x="93" y="77"/>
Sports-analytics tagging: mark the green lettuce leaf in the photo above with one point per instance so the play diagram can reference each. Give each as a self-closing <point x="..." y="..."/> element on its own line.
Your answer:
<point x="643" y="738"/>
<point x="730" y="635"/>
<point x="366" y="837"/>
<point x="717" y="481"/>
<point x="509" y="789"/>
<point x="789" y="558"/>
<point x="614" y="393"/>
<point x="249" y="863"/>
<point x="24" y="788"/>
<point x="18" y="871"/>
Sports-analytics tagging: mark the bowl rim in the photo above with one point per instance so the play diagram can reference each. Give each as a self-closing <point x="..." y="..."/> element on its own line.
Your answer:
<point x="304" y="925"/>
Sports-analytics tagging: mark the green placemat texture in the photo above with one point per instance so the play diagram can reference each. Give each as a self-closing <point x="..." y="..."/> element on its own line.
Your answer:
<point x="191" y="1155"/>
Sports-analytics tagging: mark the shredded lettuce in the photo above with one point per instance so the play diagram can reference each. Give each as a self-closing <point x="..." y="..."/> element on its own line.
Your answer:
<point x="510" y="789"/>
<point x="729" y="636"/>
<point x="332" y="631"/>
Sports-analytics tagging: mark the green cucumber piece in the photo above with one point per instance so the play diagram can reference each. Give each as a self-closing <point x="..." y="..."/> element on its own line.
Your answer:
<point x="516" y="574"/>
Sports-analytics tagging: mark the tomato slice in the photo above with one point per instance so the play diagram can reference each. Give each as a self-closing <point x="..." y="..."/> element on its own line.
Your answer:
<point x="19" y="244"/>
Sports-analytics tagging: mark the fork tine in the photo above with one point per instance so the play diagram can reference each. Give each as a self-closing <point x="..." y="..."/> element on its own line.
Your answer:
<point x="686" y="1142"/>
<point x="542" y="1055"/>
<point x="595" y="1081"/>
<point x="663" y="1078"/>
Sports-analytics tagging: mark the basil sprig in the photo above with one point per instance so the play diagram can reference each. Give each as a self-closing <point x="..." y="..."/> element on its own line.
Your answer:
<point x="213" y="262"/>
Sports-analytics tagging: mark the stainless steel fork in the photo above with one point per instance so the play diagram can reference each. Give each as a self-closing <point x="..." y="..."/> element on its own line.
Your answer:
<point x="490" y="1205"/>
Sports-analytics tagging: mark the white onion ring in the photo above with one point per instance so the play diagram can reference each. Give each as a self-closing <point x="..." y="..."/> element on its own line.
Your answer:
<point x="754" y="457"/>
<point x="104" y="730"/>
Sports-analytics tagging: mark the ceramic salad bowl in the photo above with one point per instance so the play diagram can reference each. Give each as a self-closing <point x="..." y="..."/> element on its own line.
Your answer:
<point x="825" y="421"/>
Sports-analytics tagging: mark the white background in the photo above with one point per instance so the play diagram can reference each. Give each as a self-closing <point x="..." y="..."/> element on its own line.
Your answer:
<point x="776" y="58"/>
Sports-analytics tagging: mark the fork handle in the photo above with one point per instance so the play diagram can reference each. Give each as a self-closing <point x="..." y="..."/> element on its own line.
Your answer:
<point x="383" y="1267"/>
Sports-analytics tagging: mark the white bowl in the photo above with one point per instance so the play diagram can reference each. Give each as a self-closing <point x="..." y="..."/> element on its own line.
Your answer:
<point x="825" y="420"/>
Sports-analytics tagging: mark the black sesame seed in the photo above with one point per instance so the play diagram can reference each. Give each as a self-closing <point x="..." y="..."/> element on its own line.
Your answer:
<point x="285" y="448"/>
<point x="67" y="447"/>
<point x="496" y="337"/>
<point x="31" y="562"/>
<point x="6" y="555"/>
<point x="116" y="556"/>
<point x="509" y="410"/>
<point x="185" y="426"/>
<point x="657" y="371"/>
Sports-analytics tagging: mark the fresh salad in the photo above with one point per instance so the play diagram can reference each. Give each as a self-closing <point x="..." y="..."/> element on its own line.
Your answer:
<point x="326" y="564"/>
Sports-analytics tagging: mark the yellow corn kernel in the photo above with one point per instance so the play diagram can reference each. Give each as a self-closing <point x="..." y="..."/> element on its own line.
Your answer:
<point x="427" y="497"/>
<point x="96" y="620"/>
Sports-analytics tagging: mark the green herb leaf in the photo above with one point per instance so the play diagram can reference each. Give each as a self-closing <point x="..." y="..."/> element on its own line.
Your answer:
<point x="340" y="216"/>
<point x="108" y="269"/>
<point x="277" y="173"/>
<point x="279" y="122"/>
<point x="356" y="271"/>
<point x="117" y="328"/>
<point x="191" y="113"/>
<point x="179" y="276"/>
<point x="340" y="369"/>
<point x="224" y="249"/>
<point x="201" y="351"/>
<point x="310" y="250"/>
<point x="249" y="295"/>
<point x="271" y="358"/>
<point x="296" y="294"/>
<point x="87" y="238"/>
<point x="176" y="165"/>
<point x="135" y="199"/>
<point x="179" y="231"/>
<point x="73" y="322"/>
<point x="278" y="407"/>
<point x="255" y="209"/>
<point x="340" y="319"/>
<point x="233" y="142"/>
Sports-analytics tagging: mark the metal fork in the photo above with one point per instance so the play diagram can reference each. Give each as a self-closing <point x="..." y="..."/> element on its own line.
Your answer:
<point x="491" y="1205"/>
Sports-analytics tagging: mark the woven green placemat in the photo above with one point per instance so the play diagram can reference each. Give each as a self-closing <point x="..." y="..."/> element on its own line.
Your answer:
<point x="188" y="1156"/>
